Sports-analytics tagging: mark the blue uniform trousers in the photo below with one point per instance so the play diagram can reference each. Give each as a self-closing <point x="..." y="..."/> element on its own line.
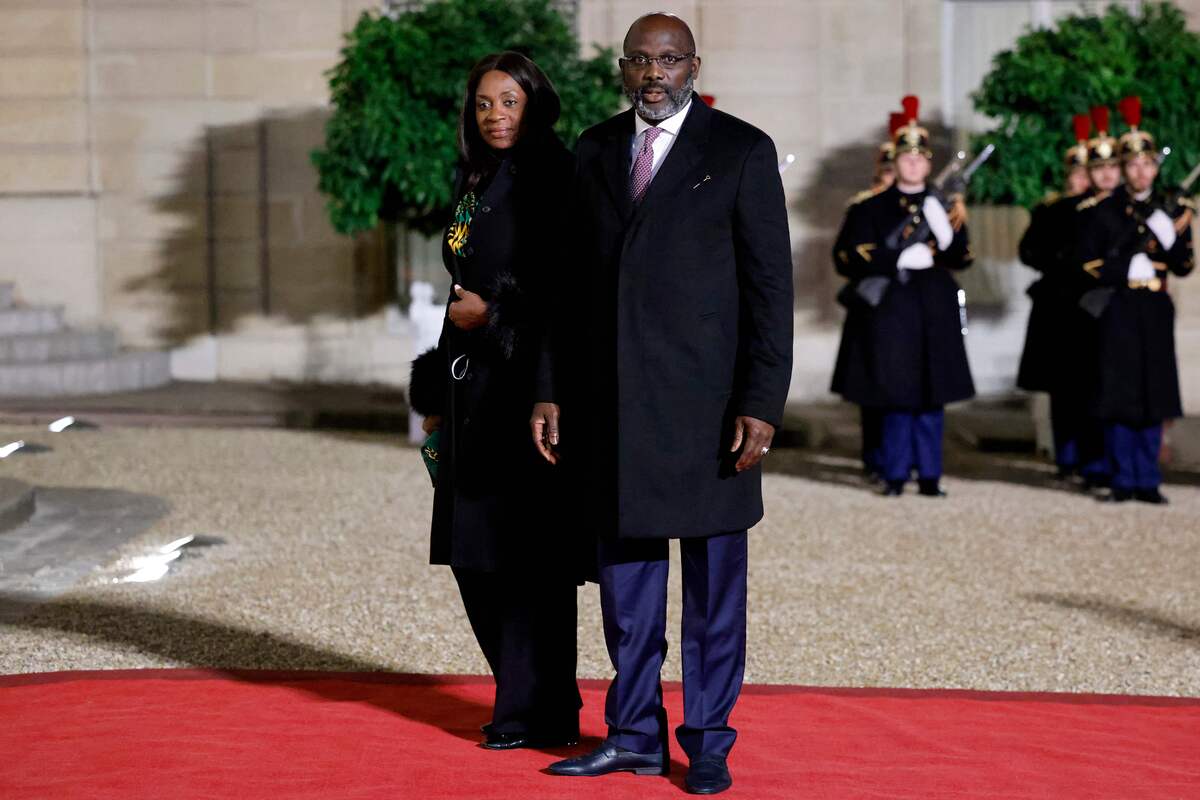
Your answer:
<point x="1078" y="439"/>
<point x="912" y="438"/>
<point x="633" y="598"/>
<point x="1133" y="455"/>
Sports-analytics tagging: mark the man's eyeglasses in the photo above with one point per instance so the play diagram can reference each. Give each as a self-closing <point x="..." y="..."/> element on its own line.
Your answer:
<point x="642" y="61"/>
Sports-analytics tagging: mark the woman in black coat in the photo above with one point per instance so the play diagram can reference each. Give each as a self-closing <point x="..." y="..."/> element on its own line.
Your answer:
<point x="491" y="524"/>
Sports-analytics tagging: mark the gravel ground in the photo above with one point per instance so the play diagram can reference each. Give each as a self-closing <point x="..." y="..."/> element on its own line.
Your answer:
<point x="1005" y="585"/>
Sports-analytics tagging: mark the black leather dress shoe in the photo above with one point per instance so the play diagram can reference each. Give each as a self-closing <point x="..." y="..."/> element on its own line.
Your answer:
<point x="1118" y="496"/>
<point x="533" y="739"/>
<point x="609" y="758"/>
<point x="893" y="489"/>
<point x="930" y="488"/>
<point x="708" y="775"/>
<point x="1150" y="496"/>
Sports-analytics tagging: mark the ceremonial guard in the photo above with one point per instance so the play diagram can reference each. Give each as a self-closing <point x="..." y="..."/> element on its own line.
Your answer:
<point x="884" y="177"/>
<point x="907" y="357"/>
<point x="1059" y="342"/>
<point x="1131" y="239"/>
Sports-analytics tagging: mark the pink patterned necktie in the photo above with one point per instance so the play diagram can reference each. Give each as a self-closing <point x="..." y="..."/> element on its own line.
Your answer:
<point x="644" y="165"/>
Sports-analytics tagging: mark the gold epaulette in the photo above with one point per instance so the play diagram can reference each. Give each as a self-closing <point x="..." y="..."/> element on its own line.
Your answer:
<point x="865" y="194"/>
<point x="1092" y="201"/>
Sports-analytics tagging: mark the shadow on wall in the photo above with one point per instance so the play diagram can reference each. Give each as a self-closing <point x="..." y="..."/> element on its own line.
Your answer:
<point x="842" y="173"/>
<point x="256" y="241"/>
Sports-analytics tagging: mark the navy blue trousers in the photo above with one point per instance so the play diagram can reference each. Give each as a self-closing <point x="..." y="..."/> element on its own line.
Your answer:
<point x="633" y="599"/>
<point x="872" y="440"/>
<point x="1078" y="439"/>
<point x="1133" y="454"/>
<point x="912" y="438"/>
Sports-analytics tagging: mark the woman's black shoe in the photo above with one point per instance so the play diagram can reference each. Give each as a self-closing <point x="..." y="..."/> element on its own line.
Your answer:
<point x="531" y="739"/>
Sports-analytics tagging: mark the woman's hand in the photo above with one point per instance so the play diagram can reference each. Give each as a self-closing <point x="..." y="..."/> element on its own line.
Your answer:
<point x="469" y="311"/>
<point x="431" y="424"/>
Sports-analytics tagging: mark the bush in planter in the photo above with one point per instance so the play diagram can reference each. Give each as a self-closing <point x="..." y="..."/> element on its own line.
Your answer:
<point x="1051" y="74"/>
<point x="390" y="147"/>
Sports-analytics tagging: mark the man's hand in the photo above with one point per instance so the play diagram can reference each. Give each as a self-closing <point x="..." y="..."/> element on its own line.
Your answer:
<point x="431" y="424"/>
<point x="544" y="426"/>
<point x="754" y="437"/>
<point x="469" y="311"/>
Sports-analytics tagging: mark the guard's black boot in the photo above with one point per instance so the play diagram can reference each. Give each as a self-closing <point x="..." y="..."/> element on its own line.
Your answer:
<point x="929" y="488"/>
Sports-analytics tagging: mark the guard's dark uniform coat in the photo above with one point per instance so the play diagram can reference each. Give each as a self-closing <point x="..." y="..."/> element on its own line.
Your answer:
<point x="490" y="505"/>
<point x="856" y="309"/>
<point x="1060" y="338"/>
<point x="907" y="353"/>
<point x="1138" y="375"/>
<point x="678" y="320"/>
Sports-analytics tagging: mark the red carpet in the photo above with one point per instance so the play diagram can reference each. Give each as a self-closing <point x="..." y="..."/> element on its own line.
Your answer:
<point x="182" y="734"/>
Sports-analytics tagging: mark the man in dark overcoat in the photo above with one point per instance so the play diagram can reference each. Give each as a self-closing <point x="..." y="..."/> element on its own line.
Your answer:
<point x="907" y="358"/>
<point x="1131" y="240"/>
<point x="671" y="365"/>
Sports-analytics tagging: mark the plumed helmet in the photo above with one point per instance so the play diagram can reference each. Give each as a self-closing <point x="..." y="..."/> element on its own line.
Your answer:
<point x="911" y="137"/>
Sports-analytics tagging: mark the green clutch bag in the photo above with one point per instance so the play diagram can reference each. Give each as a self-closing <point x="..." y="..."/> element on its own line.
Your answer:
<point x="429" y="454"/>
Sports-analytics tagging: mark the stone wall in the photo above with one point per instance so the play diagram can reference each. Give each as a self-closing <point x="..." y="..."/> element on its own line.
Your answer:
<point x="155" y="176"/>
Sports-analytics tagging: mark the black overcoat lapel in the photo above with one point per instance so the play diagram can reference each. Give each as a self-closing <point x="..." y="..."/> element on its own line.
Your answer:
<point x="617" y="162"/>
<point x="686" y="154"/>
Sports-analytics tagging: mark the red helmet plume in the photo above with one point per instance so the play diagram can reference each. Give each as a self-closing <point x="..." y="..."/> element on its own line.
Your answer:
<point x="1100" y="119"/>
<point x="896" y="121"/>
<point x="1131" y="110"/>
<point x="911" y="106"/>
<point x="1083" y="127"/>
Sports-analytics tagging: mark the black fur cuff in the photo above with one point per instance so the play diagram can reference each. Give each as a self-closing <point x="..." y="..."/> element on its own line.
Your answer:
<point x="506" y="314"/>
<point x="427" y="384"/>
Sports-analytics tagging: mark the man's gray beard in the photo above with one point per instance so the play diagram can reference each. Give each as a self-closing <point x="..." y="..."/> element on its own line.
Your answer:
<point x="677" y="100"/>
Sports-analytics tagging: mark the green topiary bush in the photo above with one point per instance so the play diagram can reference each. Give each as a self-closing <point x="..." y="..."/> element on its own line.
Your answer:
<point x="390" y="147"/>
<point x="1034" y="89"/>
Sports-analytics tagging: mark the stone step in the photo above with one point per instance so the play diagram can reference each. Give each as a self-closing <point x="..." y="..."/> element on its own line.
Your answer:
<point x="64" y="345"/>
<point x="21" y="321"/>
<point x="124" y="372"/>
<point x="16" y="503"/>
<point x="7" y="291"/>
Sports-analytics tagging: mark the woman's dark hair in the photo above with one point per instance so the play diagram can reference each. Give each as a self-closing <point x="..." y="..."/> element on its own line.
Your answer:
<point x="542" y="108"/>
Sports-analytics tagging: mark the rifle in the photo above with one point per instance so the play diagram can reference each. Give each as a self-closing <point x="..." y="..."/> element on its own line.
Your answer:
<point x="950" y="184"/>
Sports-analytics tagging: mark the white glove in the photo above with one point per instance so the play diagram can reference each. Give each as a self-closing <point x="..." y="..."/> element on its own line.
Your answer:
<point x="915" y="256"/>
<point x="1141" y="268"/>
<point x="1163" y="228"/>
<point x="939" y="223"/>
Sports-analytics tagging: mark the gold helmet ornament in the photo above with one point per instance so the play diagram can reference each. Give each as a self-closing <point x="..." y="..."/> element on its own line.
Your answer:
<point x="1134" y="142"/>
<point x="1103" y="148"/>
<point x="911" y="137"/>
<point x="1077" y="154"/>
